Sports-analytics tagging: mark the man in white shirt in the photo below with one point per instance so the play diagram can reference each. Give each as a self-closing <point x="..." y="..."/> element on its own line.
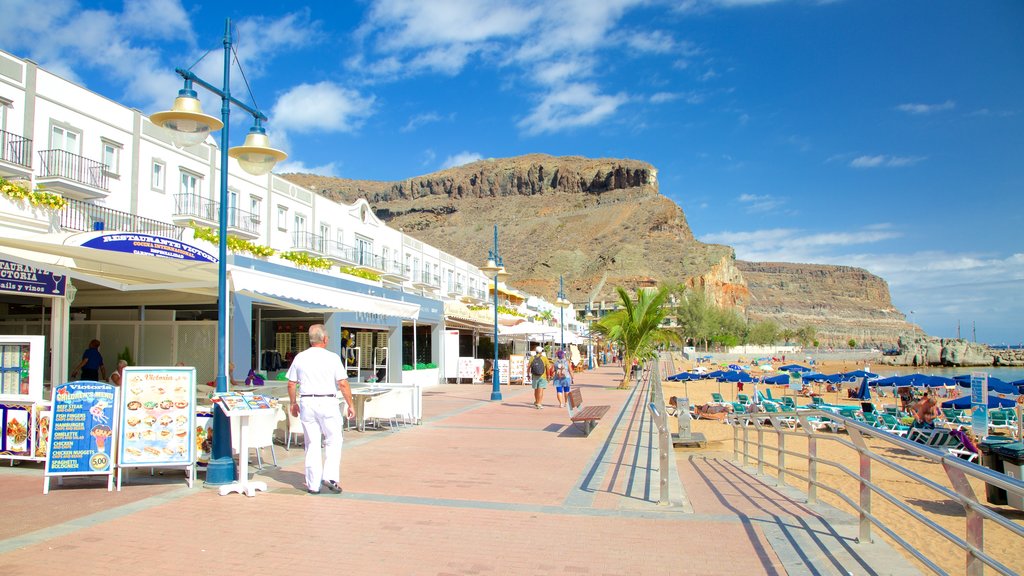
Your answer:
<point x="321" y="375"/>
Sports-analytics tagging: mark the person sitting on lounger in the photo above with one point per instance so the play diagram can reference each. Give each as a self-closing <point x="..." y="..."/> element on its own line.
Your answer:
<point x="925" y="412"/>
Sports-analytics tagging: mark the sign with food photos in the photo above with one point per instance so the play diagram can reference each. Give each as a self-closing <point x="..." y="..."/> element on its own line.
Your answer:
<point x="83" y="429"/>
<point x="17" y="437"/>
<point x="157" y="417"/>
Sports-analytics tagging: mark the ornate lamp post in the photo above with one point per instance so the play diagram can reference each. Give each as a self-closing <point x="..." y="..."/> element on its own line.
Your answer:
<point x="590" y="337"/>
<point x="495" y="270"/>
<point x="189" y="126"/>
<point x="562" y="304"/>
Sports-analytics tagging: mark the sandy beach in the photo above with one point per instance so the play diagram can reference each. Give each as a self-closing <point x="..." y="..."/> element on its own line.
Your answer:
<point x="935" y="506"/>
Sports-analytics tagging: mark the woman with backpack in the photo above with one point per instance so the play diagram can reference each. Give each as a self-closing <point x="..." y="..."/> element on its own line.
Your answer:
<point x="562" y="378"/>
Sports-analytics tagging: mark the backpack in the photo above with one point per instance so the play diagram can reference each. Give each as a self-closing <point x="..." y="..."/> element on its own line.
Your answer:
<point x="560" y="369"/>
<point x="537" y="366"/>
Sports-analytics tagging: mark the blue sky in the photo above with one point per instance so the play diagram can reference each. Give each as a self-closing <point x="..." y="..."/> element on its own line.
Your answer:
<point x="886" y="135"/>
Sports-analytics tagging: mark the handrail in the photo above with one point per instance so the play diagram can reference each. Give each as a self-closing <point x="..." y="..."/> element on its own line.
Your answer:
<point x="15" y="149"/>
<point x="86" y="216"/>
<point x="63" y="164"/>
<point x="956" y="469"/>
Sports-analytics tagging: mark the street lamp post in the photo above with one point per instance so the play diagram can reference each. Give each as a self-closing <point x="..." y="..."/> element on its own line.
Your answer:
<point x="189" y="126"/>
<point x="562" y="304"/>
<point x="590" y="338"/>
<point x="494" y="269"/>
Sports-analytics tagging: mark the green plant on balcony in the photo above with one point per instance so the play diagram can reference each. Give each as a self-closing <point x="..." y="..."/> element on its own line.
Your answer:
<point x="234" y="243"/>
<point x="37" y="197"/>
<point x="305" y="260"/>
<point x="359" y="272"/>
<point x="509" y="311"/>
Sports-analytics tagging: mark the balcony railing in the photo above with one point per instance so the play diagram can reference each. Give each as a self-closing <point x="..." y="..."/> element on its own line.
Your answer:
<point x="340" y="251"/>
<point x="63" y="164"/>
<point x="196" y="206"/>
<point x="308" y="241"/>
<point x="477" y="293"/>
<point x="85" y="216"/>
<point x="369" y="260"/>
<point x="15" y="149"/>
<point x="394" y="268"/>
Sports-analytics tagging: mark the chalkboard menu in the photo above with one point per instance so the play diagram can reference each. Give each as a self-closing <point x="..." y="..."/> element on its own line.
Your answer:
<point x="84" y="422"/>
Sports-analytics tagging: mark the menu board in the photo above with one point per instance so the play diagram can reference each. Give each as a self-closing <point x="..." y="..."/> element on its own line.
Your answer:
<point x="44" y="417"/>
<point x="84" y="425"/>
<point x="204" y="437"/>
<point x="157" y="417"/>
<point x="21" y="368"/>
<point x="503" y="371"/>
<point x="979" y="404"/>
<point x="17" y="439"/>
<point x="235" y="403"/>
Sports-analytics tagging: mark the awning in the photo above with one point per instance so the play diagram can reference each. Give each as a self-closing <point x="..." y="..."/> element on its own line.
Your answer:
<point x="314" y="298"/>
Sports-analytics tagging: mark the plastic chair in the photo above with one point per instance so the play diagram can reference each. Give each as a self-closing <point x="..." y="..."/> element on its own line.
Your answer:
<point x="294" y="429"/>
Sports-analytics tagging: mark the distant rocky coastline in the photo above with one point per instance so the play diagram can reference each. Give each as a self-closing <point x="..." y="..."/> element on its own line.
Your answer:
<point x="927" y="351"/>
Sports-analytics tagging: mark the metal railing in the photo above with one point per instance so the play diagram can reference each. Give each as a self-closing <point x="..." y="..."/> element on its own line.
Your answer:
<point x="308" y="241"/>
<point x="15" y="149"/>
<point x="958" y="471"/>
<point x="63" y="164"/>
<point x="85" y="216"/>
<point x="206" y="209"/>
<point x="394" y="268"/>
<point x="656" y="405"/>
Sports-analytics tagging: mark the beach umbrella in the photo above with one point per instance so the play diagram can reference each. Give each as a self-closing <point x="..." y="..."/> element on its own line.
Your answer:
<point x="736" y="367"/>
<point x="936" y="381"/>
<point x="777" y="379"/>
<point x="964" y="402"/>
<point x="890" y="381"/>
<point x="813" y="376"/>
<point x="864" y="393"/>
<point x="861" y="374"/>
<point x="994" y="384"/>
<point x="833" y="378"/>
<point x="715" y="374"/>
<point x="794" y="368"/>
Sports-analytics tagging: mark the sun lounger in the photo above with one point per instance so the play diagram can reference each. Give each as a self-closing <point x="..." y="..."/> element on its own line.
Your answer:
<point x="1001" y="419"/>
<point x="716" y="397"/>
<point x="891" y="424"/>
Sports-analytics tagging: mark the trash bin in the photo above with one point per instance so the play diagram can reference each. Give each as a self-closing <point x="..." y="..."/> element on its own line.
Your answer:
<point x="990" y="459"/>
<point x="1012" y="455"/>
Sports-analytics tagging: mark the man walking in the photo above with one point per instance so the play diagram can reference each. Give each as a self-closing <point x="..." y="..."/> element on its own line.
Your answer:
<point x="316" y="376"/>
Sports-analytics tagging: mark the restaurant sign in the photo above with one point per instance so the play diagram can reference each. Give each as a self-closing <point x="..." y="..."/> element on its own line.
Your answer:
<point x="84" y="427"/>
<point x="24" y="279"/>
<point x="149" y="245"/>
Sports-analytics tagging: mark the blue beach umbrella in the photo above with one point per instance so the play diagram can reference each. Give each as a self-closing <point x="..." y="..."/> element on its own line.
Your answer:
<point x="864" y="393"/>
<point x="936" y="381"/>
<point x="777" y="379"/>
<point x="861" y="374"/>
<point x="964" y="402"/>
<point x="794" y="368"/>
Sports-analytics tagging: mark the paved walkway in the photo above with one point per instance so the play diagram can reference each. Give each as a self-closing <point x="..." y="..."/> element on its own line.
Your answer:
<point x="479" y="488"/>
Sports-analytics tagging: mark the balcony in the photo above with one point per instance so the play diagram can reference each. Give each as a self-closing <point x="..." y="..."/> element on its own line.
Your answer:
<point x="308" y="242"/>
<point x="345" y="255"/>
<point x="206" y="212"/>
<point x="455" y="289"/>
<point x="72" y="176"/>
<point x="15" y="156"/>
<point x="394" y="272"/>
<point x="86" y="216"/>
<point x="427" y="281"/>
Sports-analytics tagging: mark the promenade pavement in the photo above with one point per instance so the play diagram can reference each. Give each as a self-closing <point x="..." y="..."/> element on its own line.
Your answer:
<point x="479" y="487"/>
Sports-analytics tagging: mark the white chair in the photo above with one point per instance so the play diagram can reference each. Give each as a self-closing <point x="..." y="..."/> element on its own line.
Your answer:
<point x="294" y="429"/>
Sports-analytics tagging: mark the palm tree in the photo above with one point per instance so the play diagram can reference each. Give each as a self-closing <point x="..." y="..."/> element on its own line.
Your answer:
<point x="547" y="316"/>
<point x="636" y="327"/>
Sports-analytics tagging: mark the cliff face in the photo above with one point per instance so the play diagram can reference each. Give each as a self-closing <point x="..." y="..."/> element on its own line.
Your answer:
<point x="841" y="302"/>
<point x="603" y="223"/>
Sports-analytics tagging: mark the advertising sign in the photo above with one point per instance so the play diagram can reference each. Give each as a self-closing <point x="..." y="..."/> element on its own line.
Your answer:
<point x="466" y="369"/>
<point x="979" y="404"/>
<point x="204" y="437"/>
<point x="84" y="430"/>
<point x="24" y="279"/>
<point x="503" y="371"/>
<point x="158" y="417"/>
<point x="21" y="368"/>
<point x="16" y="439"/>
<point x="149" y="245"/>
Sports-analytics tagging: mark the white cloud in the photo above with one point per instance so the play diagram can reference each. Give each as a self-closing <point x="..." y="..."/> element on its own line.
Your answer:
<point x="795" y="245"/>
<point x="573" y="106"/>
<point x="760" y="203"/>
<point x="298" y="167"/>
<point x="460" y="159"/>
<point x="321" y="107"/>
<point x="421" y="120"/>
<point x="884" y="161"/>
<point x="914" y="108"/>
<point x="663" y="97"/>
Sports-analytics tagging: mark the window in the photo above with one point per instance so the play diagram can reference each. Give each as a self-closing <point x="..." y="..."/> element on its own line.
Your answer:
<point x="325" y="231"/>
<point x="4" y="105"/>
<point x="282" y="217"/>
<point x="156" y="181"/>
<point x="111" y="157"/>
<point x="65" y="139"/>
<point x="341" y="238"/>
<point x="364" y="247"/>
<point x="190" y="184"/>
<point x="232" y="207"/>
<point x="256" y="207"/>
<point x="300" y="224"/>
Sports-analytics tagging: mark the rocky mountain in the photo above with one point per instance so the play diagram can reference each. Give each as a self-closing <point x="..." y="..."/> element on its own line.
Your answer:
<point x="603" y="223"/>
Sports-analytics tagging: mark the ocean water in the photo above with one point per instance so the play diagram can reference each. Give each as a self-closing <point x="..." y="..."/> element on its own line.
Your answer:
<point x="1004" y="373"/>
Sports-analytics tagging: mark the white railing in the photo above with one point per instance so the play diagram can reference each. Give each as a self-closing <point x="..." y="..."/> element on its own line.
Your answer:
<point x="959" y="472"/>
